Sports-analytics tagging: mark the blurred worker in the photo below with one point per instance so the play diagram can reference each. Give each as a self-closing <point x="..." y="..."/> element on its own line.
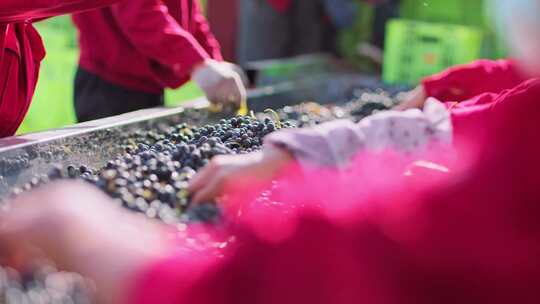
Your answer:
<point x="271" y="29"/>
<point x="470" y="235"/>
<point x="132" y="51"/>
<point x="21" y="52"/>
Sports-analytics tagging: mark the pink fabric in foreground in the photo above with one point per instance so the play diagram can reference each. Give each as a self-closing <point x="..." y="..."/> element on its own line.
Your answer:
<point x="372" y="235"/>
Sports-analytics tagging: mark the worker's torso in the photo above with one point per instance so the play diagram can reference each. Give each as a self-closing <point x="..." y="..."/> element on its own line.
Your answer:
<point x="21" y="51"/>
<point x="107" y="51"/>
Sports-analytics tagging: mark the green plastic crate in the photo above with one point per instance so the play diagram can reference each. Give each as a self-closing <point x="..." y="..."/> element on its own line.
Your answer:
<point x="461" y="12"/>
<point x="417" y="49"/>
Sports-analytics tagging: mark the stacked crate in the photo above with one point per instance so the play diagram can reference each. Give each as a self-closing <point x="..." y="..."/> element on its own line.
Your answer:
<point x="433" y="35"/>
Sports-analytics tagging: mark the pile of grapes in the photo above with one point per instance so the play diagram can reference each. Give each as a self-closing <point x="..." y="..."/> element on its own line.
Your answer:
<point x="151" y="177"/>
<point x="364" y="104"/>
<point x="44" y="285"/>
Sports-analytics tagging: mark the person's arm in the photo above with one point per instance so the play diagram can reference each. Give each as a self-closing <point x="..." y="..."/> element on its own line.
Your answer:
<point x="470" y="119"/>
<point x="156" y="34"/>
<point x="21" y="10"/>
<point x="329" y="145"/>
<point x="335" y="143"/>
<point x="462" y="82"/>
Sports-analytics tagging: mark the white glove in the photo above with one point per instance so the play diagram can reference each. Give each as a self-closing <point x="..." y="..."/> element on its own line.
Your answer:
<point x="220" y="82"/>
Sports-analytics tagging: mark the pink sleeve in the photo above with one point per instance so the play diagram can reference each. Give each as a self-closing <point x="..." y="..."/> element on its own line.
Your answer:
<point x="203" y="34"/>
<point x="329" y="144"/>
<point x="334" y="144"/>
<point x="155" y="33"/>
<point x="21" y="10"/>
<point x="466" y="81"/>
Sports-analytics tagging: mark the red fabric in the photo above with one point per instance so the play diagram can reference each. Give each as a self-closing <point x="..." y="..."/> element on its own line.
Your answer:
<point x="462" y="82"/>
<point x="280" y="5"/>
<point x="150" y="44"/>
<point x="470" y="236"/>
<point x="465" y="115"/>
<point x="473" y="90"/>
<point x="223" y="18"/>
<point x="19" y="69"/>
<point x="13" y="11"/>
<point x="21" y="52"/>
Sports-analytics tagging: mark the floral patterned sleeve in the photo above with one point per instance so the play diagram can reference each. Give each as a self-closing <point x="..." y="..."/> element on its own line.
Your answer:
<point x="335" y="143"/>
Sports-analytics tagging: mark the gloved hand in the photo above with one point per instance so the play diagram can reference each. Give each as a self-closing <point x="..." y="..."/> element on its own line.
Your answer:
<point x="238" y="70"/>
<point x="220" y="81"/>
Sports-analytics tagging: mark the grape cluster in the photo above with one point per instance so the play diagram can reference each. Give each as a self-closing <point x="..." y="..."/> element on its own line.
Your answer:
<point x="7" y="166"/>
<point x="365" y="103"/>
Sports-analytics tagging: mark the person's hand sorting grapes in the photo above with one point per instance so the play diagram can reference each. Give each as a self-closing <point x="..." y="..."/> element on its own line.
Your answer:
<point x="329" y="145"/>
<point x="221" y="82"/>
<point x="228" y="172"/>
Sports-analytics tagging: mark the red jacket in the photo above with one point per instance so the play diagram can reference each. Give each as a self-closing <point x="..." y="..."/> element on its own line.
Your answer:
<point x="21" y="51"/>
<point x="469" y="236"/>
<point x="145" y="45"/>
<point x="473" y="90"/>
<point x="466" y="81"/>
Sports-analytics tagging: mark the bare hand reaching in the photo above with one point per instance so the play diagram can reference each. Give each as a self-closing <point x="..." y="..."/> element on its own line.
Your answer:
<point x="231" y="172"/>
<point x="414" y="99"/>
